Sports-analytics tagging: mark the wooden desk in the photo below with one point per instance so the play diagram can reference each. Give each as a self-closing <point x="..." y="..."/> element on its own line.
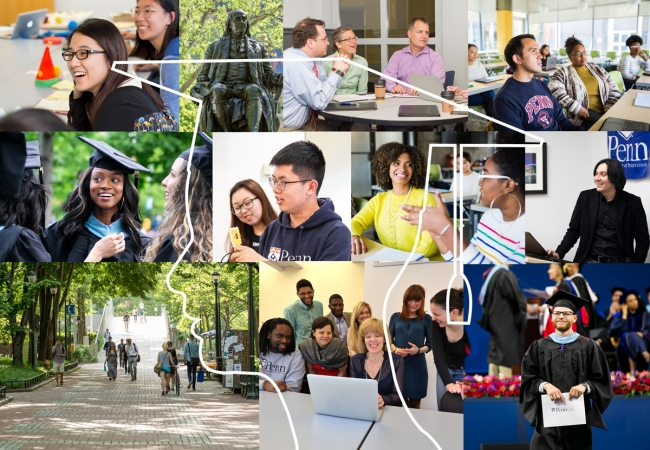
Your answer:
<point x="478" y="88"/>
<point x="624" y="109"/>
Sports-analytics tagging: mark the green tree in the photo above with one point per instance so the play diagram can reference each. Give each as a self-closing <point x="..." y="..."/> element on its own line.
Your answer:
<point x="203" y="21"/>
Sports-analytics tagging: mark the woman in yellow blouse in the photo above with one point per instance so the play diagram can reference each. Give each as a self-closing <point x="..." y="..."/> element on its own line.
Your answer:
<point x="400" y="170"/>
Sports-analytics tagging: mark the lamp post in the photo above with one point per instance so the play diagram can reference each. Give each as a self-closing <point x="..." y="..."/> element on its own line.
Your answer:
<point x="217" y="320"/>
<point x="31" y="277"/>
<point x="53" y="291"/>
<point x="253" y="393"/>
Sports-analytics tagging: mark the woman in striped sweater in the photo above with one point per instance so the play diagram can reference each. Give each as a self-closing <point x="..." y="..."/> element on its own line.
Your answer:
<point x="584" y="90"/>
<point x="500" y="235"/>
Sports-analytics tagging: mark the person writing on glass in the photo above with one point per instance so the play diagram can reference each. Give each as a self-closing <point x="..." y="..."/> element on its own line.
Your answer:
<point x="416" y="58"/>
<point x="400" y="170"/>
<point x="307" y="86"/>
<point x="373" y="363"/>
<point x="501" y="231"/>
<point x="356" y="78"/>
<point x="585" y="90"/>
<point x="610" y="223"/>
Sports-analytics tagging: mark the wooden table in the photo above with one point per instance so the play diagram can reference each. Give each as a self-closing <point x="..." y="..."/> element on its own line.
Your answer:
<point x="624" y="109"/>
<point x="478" y="88"/>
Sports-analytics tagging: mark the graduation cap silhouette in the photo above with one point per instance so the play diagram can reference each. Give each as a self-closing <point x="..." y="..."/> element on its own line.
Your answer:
<point x="13" y="155"/>
<point x="567" y="300"/>
<point x="202" y="157"/>
<point x="108" y="158"/>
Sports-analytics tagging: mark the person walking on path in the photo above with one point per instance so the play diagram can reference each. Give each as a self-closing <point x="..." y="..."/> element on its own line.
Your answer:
<point x="58" y="362"/>
<point x="172" y="351"/>
<point x="165" y="357"/>
<point x="133" y="356"/>
<point x="126" y="322"/>
<point x="191" y="352"/>
<point x="107" y="335"/>
<point x="111" y="362"/>
<point x="120" y="353"/>
<point x="141" y="312"/>
<point x="135" y="315"/>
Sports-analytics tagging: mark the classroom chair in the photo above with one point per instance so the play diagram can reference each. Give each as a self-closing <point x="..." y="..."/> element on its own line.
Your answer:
<point x="624" y="54"/>
<point x="612" y="55"/>
<point x="435" y="173"/>
<point x="617" y="78"/>
<point x="477" y="120"/>
<point x="594" y="53"/>
<point x="449" y="78"/>
<point x="562" y="51"/>
<point x="359" y="203"/>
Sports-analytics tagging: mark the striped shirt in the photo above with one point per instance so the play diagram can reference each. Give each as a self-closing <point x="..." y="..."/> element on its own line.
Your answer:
<point x="630" y="66"/>
<point x="496" y="241"/>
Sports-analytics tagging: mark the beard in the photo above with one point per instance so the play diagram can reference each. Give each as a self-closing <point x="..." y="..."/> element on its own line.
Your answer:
<point x="562" y="326"/>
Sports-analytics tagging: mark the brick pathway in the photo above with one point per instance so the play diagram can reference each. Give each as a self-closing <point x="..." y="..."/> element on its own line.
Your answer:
<point x="90" y="412"/>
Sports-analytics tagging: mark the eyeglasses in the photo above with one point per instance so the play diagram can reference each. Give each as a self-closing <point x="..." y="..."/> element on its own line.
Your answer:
<point x="355" y="39"/>
<point x="482" y="176"/>
<point x="635" y="46"/>
<point x="562" y="314"/>
<point x="146" y="13"/>
<point x="282" y="185"/>
<point x="80" y="54"/>
<point x="579" y="54"/>
<point x="247" y="205"/>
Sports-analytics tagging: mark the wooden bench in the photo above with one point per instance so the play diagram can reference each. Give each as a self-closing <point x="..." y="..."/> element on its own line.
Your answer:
<point x="3" y="392"/>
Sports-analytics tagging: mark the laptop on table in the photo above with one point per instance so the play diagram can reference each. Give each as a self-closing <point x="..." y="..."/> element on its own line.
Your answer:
<point x="427" y="83"/>
<point x="551" y="64"/>
<point x="535" y="250"/>
<point x="617" y="124"/>
<point x="27" y="24"/>
<point x="351" y="398"/>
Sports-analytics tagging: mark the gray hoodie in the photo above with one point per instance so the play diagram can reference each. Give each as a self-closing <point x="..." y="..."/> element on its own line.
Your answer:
<point x="289" y="368"/>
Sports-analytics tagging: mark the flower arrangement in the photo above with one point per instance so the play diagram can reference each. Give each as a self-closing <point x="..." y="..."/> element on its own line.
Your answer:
<point x="627" y="384"/>
<point x="631" y="384"/>
<point x="491" y="386"/>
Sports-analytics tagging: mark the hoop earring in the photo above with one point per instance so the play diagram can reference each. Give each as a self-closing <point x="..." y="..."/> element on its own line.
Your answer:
<point x="492" y="203"/>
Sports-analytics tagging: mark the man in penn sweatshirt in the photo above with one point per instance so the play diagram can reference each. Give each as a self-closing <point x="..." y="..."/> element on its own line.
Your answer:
<point x="279" y="358"/>
<point x="525" y="102"/>
<point x="307" y="228"/>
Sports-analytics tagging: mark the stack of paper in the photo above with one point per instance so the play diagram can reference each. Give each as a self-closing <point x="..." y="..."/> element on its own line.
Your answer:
<point x="58" y="106"/>
<point x="642" y="100"/>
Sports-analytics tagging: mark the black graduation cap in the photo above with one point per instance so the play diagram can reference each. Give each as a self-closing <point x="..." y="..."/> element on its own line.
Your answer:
<point x="13" y="156"/>
<point x="108" y="158"/>
<point x="202" y="157"/>
<point x="567" y="300"/>
<point x="34" y="159"/>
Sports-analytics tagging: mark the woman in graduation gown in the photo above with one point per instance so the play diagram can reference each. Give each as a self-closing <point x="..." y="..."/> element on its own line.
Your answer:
<point x="102" y="221"/>
<point x="564" y="362"/>
<point x="23" y="200"/>
<point x="174" y="232"/>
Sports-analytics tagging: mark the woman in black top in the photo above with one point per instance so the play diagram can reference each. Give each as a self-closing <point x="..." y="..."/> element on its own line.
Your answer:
<point x="23" y="200"/>
<point x="104" y="100"/>
<point x="373" y="363"/>
<point x="449" y="342"/>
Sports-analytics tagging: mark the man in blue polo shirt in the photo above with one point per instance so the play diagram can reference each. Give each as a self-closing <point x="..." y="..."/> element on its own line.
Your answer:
<point x="302" y="312"/>
<point x="525" y="102"/>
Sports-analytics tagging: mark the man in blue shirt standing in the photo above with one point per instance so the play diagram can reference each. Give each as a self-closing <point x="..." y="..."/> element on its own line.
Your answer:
<point x="525" y="102"/>
<point x="304" y="311"/>
<point x="307" y="87"/>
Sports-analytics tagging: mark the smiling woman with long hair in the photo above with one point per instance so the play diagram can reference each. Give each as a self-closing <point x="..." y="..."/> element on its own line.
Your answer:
<point x="174" y="232"/>
<point x="104" y="100"/>
<point x="251" y="211"/>
<point x="102" y="221"/>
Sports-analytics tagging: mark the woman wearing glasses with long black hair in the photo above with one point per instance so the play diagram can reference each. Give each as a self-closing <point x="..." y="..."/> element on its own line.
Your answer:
<point x="501" y="231"/>
<point x="104" y="100"/>
<point x="251" y="211"/>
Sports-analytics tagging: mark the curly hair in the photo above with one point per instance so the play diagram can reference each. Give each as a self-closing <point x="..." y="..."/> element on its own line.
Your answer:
<point x="175" y="224"/>
<point x="571" y="43"/>
<point x="26" y="208"/>
<point x="267" y="329"/>
<point x="387" y="154"/>
<point x="80" y="207"/>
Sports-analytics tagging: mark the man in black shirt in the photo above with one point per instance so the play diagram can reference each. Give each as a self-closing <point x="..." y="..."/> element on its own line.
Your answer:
<point x="611" y="224"/>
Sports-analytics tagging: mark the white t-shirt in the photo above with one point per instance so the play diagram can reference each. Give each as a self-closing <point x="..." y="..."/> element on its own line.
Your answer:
<point x="476" y="71"/>
<point x="470" y="184"/>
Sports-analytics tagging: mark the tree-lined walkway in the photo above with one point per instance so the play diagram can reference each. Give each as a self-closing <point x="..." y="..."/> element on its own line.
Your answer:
<point x="91" y="412"/>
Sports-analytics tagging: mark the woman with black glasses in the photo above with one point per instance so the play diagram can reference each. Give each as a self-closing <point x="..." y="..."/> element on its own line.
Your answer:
<point x="104" y="100"/>
<point x="251" y="211"/>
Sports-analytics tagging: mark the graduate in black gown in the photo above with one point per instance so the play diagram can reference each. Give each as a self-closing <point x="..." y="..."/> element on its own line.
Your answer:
<point x="23" y="200"/>
<point x="564" y="362"/>
<point x="174" y="233"/>
<point x="102" y="221"/>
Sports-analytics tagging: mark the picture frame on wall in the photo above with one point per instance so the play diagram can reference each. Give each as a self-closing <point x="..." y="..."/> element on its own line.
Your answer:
<point x="536" y="170"/>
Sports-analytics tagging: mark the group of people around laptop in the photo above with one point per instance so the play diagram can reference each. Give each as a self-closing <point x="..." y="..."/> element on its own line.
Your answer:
<point x="577" y="95"/>
<point x="309" y="86"/>
<point x="354" y="345"/>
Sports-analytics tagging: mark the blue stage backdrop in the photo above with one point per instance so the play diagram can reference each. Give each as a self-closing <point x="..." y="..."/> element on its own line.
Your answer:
<point x="601" y="277"/>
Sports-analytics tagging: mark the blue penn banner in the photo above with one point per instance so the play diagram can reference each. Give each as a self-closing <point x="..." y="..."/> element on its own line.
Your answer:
<point x="631" y="149"/>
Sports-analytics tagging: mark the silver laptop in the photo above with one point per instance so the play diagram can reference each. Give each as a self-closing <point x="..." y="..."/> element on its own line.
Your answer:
<point x="27" y="24"/>
<point x="551" y="63"/>
<point x="428" y="83"/>
<point x="352" y="398"/>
